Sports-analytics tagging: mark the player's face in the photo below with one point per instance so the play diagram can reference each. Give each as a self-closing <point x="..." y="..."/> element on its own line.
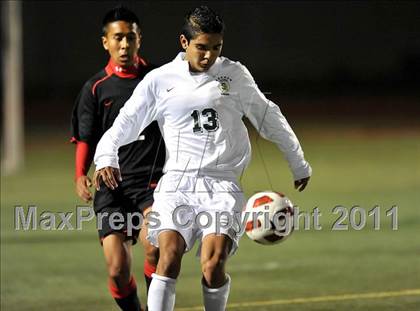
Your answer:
<point x="122" y="41"/>
<point x="202" y="51"/>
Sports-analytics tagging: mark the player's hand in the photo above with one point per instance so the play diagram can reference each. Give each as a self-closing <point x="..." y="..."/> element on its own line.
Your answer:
<point x="109" y="175"/>
<point x="301" y="183"/>
<point x="83" y="183"/>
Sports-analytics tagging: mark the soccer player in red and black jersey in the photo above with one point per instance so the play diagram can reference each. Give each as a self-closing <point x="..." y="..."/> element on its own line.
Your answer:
<point x="141" y="162"/>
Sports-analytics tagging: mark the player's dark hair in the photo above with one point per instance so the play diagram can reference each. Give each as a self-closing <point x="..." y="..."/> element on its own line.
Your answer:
<point x="119" y="13"/>
<point x="202" y="20"/>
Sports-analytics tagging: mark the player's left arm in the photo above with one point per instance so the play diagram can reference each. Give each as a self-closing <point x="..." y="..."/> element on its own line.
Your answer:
<point x="272" y="125"/>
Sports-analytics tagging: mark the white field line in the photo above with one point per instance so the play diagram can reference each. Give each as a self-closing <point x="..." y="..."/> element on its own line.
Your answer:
<point x="401" y="293"/>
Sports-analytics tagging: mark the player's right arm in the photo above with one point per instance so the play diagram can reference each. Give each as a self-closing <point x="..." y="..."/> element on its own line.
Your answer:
<point x="138" y="112"/>
<point x="85" y="133"/>
<point x="83" y="160"/>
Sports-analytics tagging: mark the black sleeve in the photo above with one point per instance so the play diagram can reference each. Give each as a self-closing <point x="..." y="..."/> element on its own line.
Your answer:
<point x="85" y="122"/>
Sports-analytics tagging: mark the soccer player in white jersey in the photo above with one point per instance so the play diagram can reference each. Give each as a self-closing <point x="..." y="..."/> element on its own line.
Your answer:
<point x="198" y="100"/>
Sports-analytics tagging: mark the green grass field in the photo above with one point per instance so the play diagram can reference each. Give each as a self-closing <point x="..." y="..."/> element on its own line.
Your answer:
<point x="313" y="270"/>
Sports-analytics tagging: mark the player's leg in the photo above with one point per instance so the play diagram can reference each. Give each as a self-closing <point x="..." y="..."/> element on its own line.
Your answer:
<point x="140" y="191"/>
<point x="216" y="283"/>
<point x="151" y="253"/>
<point x="162" y="289"/>
<point x="171" y="238"/>
<point x="116" y="247"/>
<point x="223" y="200"/>
<point x="122" y="285"/>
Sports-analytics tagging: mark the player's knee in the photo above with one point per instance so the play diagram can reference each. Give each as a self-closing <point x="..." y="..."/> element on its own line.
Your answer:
<point x="170" y="263"/>
<point x="119" y="273"/>
<point x="212" y="266"/>
<point x="213" y="269"/>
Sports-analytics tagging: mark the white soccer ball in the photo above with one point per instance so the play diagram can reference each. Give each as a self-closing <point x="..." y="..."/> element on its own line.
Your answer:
<point x="269" y="217"/>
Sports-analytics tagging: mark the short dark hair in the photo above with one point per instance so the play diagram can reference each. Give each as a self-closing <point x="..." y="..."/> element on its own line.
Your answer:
<point x="202" y="20"/>
<point x="119" y="13"/>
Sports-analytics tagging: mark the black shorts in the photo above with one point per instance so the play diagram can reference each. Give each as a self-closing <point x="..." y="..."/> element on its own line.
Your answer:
<point x="119" y="209"/>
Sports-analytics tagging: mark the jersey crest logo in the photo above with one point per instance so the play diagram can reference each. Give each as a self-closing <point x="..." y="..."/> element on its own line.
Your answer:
<point x="224" y="84"/>
<point x="108" y="102"/>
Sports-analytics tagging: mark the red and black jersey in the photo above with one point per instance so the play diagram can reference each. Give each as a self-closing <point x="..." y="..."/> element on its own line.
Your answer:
<point x="96" y="108"/>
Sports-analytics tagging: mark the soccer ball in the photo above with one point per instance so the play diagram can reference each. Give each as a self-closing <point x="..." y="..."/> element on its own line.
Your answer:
<point x="269" y="217"/>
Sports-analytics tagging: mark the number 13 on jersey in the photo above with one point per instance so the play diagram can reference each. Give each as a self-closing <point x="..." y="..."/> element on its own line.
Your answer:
<point x="206" y="119"/>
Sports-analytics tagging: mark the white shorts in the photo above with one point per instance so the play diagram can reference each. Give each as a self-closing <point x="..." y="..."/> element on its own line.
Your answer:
<point x="196" y="207"/>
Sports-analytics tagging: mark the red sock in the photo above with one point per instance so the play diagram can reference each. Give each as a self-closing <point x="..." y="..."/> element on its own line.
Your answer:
<point x="148" y="270"/>
<point x="122" y="292"/>
<point x="125" y="297"/>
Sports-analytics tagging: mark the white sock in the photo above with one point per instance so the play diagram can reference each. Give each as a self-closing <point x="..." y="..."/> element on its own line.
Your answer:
<point x="215" y="299"/>
<point x="161" y="295"/>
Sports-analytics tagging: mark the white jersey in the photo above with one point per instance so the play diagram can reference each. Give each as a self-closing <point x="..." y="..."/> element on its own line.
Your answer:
<point x="200" y="117"/>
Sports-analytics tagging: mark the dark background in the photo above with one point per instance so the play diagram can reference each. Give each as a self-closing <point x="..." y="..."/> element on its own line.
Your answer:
<point x="328" y="59"/>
